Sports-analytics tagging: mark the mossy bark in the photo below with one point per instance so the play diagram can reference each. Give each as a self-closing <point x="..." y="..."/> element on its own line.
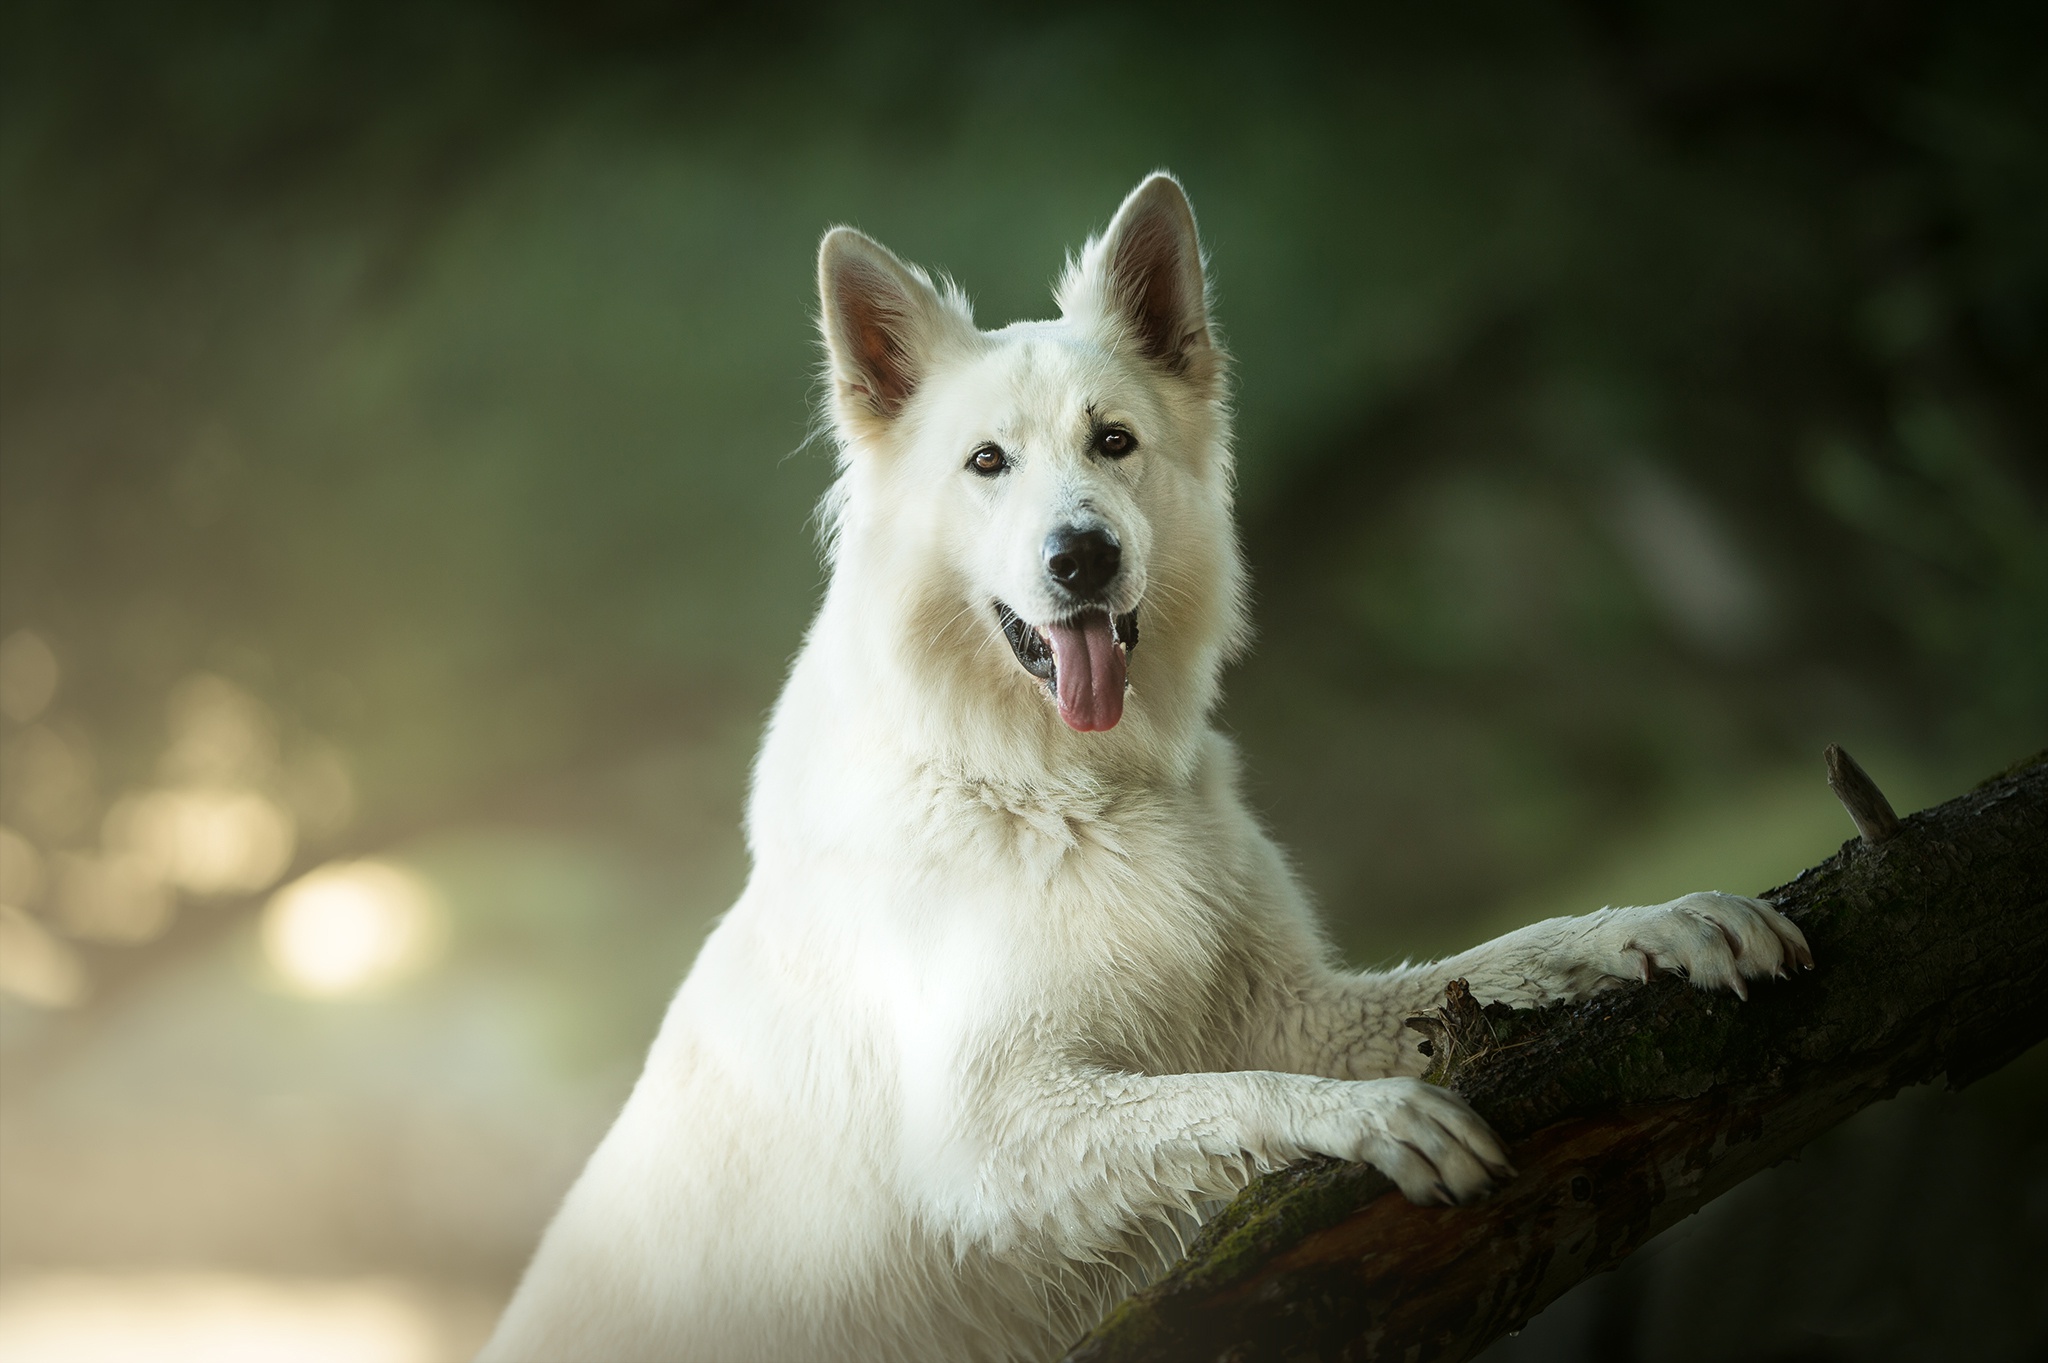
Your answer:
<point x="1632" y="1110"/>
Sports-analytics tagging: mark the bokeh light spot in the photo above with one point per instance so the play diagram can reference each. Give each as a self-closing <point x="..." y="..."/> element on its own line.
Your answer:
<point x="46" y="781"/>
<point x="21" y="869"/>
<point x="112" y="899"/>
<point x="350" y="927"/>
<point x="28" y="675"/>
<point x="207" y="840"/>
<point x="216" y="1318"/>
<point x="35" y="965"/>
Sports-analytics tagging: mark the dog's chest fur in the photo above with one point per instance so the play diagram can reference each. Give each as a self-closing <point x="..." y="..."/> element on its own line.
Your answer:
<point x="1106" y="922"/>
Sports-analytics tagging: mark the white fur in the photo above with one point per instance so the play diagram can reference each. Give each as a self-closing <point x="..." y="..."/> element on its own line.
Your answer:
<point x="1003" y="1005"/>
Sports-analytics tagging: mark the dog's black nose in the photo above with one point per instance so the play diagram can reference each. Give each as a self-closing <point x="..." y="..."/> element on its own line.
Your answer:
<point x="1083" y="561"/>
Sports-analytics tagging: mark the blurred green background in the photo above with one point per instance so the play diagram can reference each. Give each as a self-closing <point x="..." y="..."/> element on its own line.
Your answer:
<point x="406" y="416"/>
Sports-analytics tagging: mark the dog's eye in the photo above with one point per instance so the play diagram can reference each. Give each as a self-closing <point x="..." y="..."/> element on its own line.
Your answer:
<point x="988" y="461"/>
<point x="1115" y="442"/>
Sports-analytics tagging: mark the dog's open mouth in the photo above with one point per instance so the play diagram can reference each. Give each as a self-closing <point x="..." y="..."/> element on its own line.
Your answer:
<point x="1084" y="660"/>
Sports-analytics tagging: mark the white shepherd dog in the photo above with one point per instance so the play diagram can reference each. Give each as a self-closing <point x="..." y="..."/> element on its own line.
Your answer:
<point x="1018" y="985"/>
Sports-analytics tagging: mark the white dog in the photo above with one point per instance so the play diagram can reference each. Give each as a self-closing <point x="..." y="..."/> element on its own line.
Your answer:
<point x="1018" y="986"/>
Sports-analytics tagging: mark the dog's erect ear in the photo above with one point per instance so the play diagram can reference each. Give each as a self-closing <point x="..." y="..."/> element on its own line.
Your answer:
<point x="882" y="321"/>
<point x="1144" y="275"/>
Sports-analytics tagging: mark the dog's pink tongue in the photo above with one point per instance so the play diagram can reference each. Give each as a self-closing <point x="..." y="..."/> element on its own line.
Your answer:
<point x="1090" y="670"/>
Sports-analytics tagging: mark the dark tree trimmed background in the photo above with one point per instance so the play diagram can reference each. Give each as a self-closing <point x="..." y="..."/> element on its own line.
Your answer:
<point x="403" y="416"/>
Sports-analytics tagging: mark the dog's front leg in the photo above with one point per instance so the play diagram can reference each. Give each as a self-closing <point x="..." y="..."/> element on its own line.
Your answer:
<point x="1090" y="1149"/>
<point x="1351" y="1026"/>
<point x="1718" y="941"/>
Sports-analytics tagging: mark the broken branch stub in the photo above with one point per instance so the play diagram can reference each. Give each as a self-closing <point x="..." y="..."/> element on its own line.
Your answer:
<point x="1459" y="1031"/>
<point x="1868" y="809"/>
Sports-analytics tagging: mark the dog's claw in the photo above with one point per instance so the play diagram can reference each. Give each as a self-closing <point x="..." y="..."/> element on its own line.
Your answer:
<point x="1718" y="941"/>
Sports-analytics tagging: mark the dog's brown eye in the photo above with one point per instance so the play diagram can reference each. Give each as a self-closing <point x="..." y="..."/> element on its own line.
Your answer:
<point x="988" y="461"/>
<point x="1116" y="442"/>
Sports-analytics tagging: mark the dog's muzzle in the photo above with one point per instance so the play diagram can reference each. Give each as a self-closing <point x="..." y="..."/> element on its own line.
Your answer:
<point x="1083" y="660"/>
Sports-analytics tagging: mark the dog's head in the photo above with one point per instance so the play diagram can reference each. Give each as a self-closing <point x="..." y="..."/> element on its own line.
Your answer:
<point x="1021" y="507"/>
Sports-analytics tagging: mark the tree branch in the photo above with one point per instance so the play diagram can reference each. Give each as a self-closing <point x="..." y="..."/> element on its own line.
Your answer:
<point x="1630" y="1111"/>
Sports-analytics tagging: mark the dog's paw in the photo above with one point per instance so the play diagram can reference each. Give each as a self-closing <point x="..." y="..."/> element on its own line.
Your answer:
<point x="1435" y="1147"/>
<point x="1715" y="940"/>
